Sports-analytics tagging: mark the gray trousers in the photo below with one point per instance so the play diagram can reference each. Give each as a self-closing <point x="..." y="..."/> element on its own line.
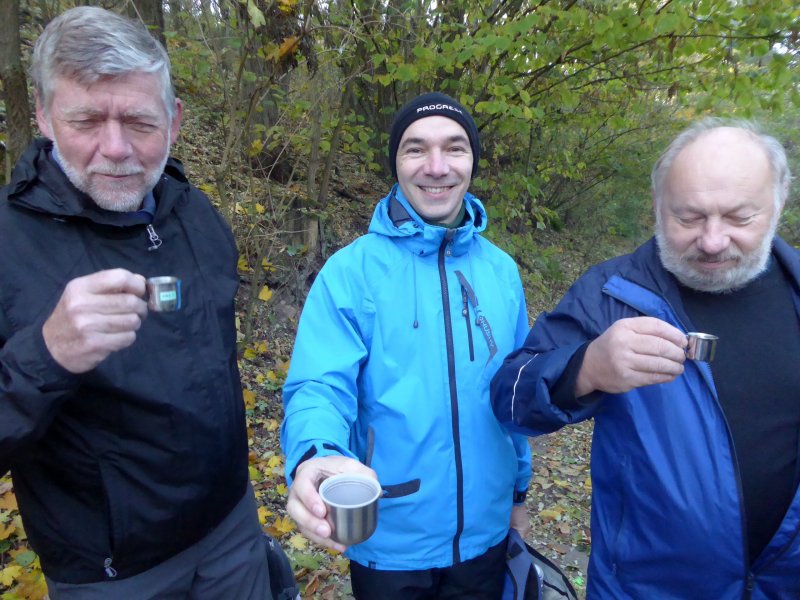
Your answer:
<point x="230" y="563"/>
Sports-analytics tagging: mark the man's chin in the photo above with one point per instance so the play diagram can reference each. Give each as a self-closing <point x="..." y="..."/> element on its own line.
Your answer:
<point x="117" y="201"/>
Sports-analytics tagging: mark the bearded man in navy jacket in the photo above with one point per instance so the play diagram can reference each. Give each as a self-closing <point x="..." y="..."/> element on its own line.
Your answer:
<point x="694" y="464"/>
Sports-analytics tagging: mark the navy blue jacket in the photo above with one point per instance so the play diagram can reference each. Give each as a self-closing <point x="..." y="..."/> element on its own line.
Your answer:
<point x="667" y="519"/>
<point x="120" y="468"/>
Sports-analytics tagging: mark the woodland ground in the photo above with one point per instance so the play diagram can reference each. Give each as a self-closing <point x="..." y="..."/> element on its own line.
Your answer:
<point x="558" y="501"/>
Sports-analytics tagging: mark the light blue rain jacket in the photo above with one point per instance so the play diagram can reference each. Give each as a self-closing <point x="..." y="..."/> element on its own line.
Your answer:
<point x="402" y="331"/>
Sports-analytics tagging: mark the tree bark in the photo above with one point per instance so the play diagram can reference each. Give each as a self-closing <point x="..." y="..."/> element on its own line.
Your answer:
<point x="15" y="89"/>
<point x="151" y="13"/>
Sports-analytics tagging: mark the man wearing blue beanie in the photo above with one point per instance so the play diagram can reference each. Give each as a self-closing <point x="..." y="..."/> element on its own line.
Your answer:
<point x="399" y="338"/>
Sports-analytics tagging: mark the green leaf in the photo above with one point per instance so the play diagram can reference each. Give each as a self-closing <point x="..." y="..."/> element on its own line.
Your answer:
<point x="255" y="14"/>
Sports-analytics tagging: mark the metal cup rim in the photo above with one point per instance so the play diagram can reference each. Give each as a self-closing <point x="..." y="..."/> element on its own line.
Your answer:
<point x="350" y="478"/>
<point x="702" y="336"/>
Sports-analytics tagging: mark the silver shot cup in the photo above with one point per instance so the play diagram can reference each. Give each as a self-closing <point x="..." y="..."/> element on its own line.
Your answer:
<point x="702" y="346"/>
<point x="352" y="502"/>
<point x="163" y="293"/>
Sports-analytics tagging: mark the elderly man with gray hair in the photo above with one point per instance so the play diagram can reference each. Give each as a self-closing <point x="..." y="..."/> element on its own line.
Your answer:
<point x="695" y="460"/>
<point x="123" y="426"/>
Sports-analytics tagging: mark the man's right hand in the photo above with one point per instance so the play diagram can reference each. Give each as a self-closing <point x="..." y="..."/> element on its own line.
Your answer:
<point x="632" y="353"/>
<point x="305" y="505"/>
<point x="97" y="314"/>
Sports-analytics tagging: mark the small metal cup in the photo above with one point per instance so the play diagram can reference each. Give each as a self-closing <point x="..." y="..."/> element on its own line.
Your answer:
<point x="702" y="346"/>
<point x="163" y="293"/>
<point x="352" y="502"/>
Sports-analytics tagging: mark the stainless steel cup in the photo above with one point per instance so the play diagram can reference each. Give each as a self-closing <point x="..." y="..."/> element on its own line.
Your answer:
<point x="352" y="502"/>
<point x="702" y="346"/>
<point x="163" y="293"/>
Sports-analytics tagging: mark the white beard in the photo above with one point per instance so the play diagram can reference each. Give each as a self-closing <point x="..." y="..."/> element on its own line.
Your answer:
<point x="746" y="269"/>
<point x="124" y="196"/>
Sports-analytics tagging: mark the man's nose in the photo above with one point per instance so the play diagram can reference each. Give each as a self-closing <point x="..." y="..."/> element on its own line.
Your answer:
<point x="436" y="164"/>
<point x="714" y="237"/>
<point x="114" y="142"/>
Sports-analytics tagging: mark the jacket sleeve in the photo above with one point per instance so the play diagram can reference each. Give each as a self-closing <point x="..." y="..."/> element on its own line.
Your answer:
<point x="320" y="396"/>
<point x="32" y="387"/>
<point x="521" y="445"/>
<point x="521" y="388"/>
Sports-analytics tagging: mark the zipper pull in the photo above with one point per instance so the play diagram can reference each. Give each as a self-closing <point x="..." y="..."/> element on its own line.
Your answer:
<point x="110" y="571"/>
<point x="155" y="241"/>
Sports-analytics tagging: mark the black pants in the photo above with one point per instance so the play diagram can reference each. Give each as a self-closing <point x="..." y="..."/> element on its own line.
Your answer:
<point x="480" y="578"/>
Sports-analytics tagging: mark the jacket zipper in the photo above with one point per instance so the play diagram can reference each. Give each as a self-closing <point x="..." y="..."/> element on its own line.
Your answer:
<point x="155" y="241"/>
<point x="111" y="572"/>
<point x="451" y="376"/>
<point x="465" y="312"/>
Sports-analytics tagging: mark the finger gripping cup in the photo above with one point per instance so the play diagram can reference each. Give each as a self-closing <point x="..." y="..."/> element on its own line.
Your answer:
<point x="352" y="502"/>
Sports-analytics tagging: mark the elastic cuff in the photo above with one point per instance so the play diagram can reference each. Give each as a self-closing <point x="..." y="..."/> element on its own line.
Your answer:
<point x="519" y="497"/>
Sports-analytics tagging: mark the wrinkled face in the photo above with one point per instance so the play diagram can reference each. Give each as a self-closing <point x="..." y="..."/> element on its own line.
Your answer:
<point x="717" y="217"/>
<point x="434" y="167"/>
<point x="113" y="137"/>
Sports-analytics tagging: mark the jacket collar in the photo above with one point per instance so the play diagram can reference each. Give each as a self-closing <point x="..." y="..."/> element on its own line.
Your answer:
<point x="395" y="217"/>
<point x="646" y="270"/>
<point x="38" y="183"/>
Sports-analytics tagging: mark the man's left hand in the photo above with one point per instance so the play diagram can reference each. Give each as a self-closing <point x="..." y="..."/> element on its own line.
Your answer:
<point x="520" y="520"/>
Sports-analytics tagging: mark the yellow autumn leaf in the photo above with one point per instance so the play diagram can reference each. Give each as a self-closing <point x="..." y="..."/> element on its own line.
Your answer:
<point x="274" y="461"/>
<point x="550" y="514"/>
<point x="265" y="294"/>
<point x="298" y="542"/>
<point x="250" y="354"/>
<point x="261" y="347"/>
<point x="207" y="188"/>
<point x="8" y="501"/>
<point x="255" y="148"/>
<point x="288" y="46"/>
<point x="282" y="489"/>
<point x="263" y="514"/>
<point x="16" y="520"/>
<point x="284" y="525"/>
<point x="239" y="208"/>
<point x="286" y="6"/>
<point x="249" y="399"/>
<point x="268" y="266"/>
<point x="242" y="265"/>
<point x="255" y="474"/>
<point x="9" y="574"/>
<point x="272" y="425"/>
<point x="561" y="483"/>
<point x="260" y="378"/>
<point x="587" y="485"/>
<point x="260" y="208"/>
<point x="6" y="530"/>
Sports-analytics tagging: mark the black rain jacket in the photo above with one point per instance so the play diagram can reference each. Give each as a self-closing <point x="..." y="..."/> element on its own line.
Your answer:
<point x="120" y="468"/>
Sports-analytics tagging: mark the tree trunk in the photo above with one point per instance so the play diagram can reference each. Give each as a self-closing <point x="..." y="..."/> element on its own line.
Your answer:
<point x="151" y="13"/>
<point x="15" y="89"/>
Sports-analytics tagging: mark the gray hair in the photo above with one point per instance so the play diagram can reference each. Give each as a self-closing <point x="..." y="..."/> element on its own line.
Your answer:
<point x="776" y="156"/>
<point x="88" y="44"/>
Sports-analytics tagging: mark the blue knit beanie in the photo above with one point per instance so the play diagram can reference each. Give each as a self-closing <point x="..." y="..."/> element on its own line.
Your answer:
<point x="429" y="105"/>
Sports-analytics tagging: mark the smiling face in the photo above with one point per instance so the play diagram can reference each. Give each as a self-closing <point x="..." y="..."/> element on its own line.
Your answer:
<point x="113" y="137"/>
<point x="434" y="167"/>
<point x="717" y="216"/>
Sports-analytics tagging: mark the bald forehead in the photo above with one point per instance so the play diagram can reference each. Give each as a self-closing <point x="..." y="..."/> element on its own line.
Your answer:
<point x="723" y="152"/>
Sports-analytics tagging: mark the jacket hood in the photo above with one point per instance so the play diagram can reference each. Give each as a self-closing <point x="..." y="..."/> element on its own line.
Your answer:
<point x="395" y="217"/>
<point x="36" y="166"/>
